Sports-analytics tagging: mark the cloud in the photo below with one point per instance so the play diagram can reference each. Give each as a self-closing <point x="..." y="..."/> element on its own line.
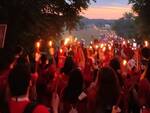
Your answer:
<point x="106" y="12"/>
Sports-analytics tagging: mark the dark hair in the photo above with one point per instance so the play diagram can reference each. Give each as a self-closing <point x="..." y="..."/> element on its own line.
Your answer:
<point x="108" y="89"/>
<point x="115" y="64"/>
<point x="146" y="52"/>
<point x="43" y="58"/>
<point x="19" y="79"/>
<point x="148" y="71"/>
<point x="74" y="87"/>
<point x="68" y="65"/>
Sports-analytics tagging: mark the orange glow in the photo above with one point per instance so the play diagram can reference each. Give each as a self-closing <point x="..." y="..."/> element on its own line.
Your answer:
<point x="124" y="62"/>
<point x="90" y="47"/>
<point x="106" y="12"/>
<point x="61" y="50"/>
<point x="91" y="42"/>
<point x="109" y="47"/>
<point x="146" y="43"/>
<point x="124" y="42"/>
<point x="50" y="43"/>
<point x="102" y="45"/>
<point x="104" y="49"/>
<point x="96" y="46"/>
<point x="75" y="40"/>
<point x="38" y="45"/>
<point x="51" y="50"/>
<point x="66" y="41"/>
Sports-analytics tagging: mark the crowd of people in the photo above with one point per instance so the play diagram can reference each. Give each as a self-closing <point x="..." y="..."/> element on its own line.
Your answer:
<point x="102" y="78"/>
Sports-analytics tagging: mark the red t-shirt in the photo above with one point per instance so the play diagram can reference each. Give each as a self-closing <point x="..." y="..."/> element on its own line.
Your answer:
<point x="144" y="92"/>
<point x="18" y="107"/>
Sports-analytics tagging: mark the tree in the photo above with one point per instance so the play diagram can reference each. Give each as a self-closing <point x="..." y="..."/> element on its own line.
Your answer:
<point x="28" y="20"/>
<point x="142" y="8"/>
<point x="126" y="26"/>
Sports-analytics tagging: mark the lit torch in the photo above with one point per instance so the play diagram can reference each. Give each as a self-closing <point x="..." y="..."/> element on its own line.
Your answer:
<point x="61" y="50"/>
<point x="124" y="42"/>
<point x="50" y="43"/>
<point x="90" y="47"/>
<point x="96" y="46"/>
<point x="146" y="43"/>
<point x="38" y="45"/>
<point x="124" y="62"/>
<point x="102" y="45"/>
<point x="104" y="49"/>
<point x="91" y="42"/>
<point x="66" y="41"/>
<point x="109" y="47"/>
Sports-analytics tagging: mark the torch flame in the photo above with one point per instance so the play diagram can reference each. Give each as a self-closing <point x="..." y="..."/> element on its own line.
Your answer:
<point x="50" y="43"/>
<point x="66" y="41"/>
<point x="90" y="47"/>
<point x="109" y="47"/>
<point x="96" y="46"/>
<point x="75" y="40"/>
<point x="124" y="62"/>
<point x="91" y="42"/>
<point x="38" y="44"/>
<point x="61" y="50"/>
<point x="124" y="42"/>
<point x="104" y="49"/>
<point x="146" y="43"/>
<point x="102" y="45"/>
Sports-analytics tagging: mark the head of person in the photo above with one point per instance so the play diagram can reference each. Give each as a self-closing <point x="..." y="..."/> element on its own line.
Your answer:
<point x="146" y="61"/>
<point x="19" y="79"/>
<point x="44" y="59"/>
<point x="68" y="65"/>
<point x="115" y="64"/>
<point x="145" y="53"/>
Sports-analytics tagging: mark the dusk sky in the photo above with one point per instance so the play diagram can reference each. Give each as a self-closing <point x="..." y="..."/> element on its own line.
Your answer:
<point x="107" y="9"/>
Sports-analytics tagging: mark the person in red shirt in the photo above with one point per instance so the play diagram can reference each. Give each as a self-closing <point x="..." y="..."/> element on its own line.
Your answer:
<point x="19" y="82"/>
<point x="144" y="83"/>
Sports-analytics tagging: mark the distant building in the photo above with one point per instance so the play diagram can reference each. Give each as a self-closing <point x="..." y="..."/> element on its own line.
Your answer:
<point x="107" y="26"/>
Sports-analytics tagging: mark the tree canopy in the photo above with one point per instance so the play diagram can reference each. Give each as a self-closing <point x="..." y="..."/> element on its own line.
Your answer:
<point x="126" y="26"/>
<point x="142" y="8"/>
<point x="28" y="20"/>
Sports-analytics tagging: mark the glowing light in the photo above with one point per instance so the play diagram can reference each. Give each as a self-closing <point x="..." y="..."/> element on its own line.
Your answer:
<point x="128" y="41"/>
<point x="109" y="47"/>
<point x="124" y="42"/>
<point x="50" y="43"/>
<point x="146" y="43"/>
<point x="51" y="50"/>
<point x="134" y="45"/>
<point x="61" y="50"/>
<point x="38" y="45"/>
<point x="66" y="41"/>
<point x="91" y="42"/>
<point x="90" y="47"/>
<point x="124" y="62"/>
<point x="75" y="39"/>
<point x="104" y="49"/>
<point x="70" y="49"/>
<point x="102" y="45"/>
<point x="96" y="46"/>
